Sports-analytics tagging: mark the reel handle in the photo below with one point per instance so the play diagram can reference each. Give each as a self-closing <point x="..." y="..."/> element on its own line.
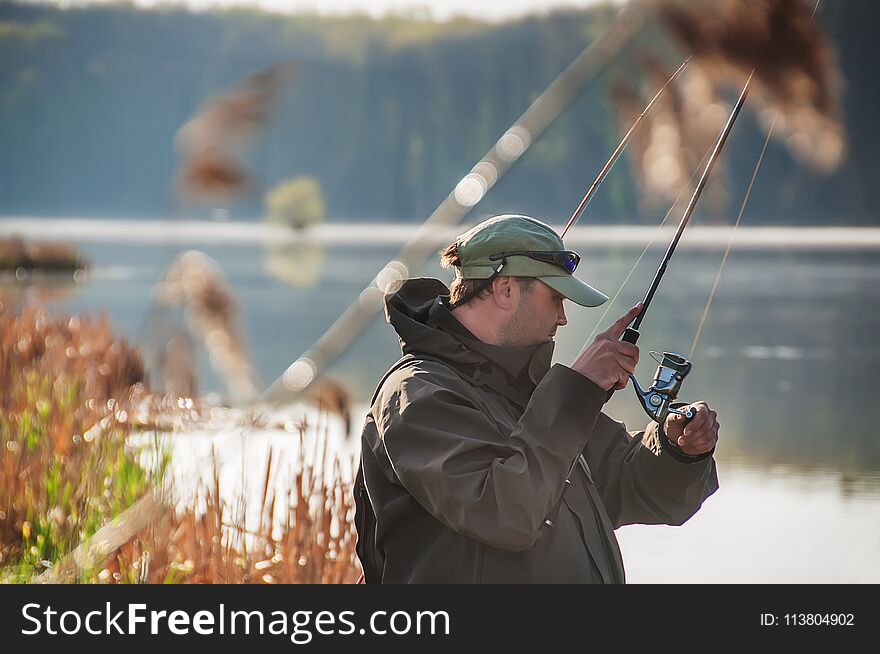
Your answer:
<point x="689" y="415"/>
<point x="630" y="336"/>
<point x="664" y="439"/>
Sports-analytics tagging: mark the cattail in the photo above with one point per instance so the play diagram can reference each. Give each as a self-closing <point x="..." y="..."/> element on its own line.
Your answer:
<point x="796" y="74"/>
<point x="213" y="141"/>
<point x="212" y="176"/>
<point x="330" y="396"/>
<point x="196" y="282"/>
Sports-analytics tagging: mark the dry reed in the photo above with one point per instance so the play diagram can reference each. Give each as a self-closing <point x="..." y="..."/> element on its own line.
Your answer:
<point x="796" y="73"/>
<point x="676" y="134"/>
<point x="304" y="535"/>
<point x="213" y="140"/>
<point x="196" y="282"/>
<point x="74" y="394"/>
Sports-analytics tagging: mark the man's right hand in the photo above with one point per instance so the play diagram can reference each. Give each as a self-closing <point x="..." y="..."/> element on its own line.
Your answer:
<point x="609" y="361"/>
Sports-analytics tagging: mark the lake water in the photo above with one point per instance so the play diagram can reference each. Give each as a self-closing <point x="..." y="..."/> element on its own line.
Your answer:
<point x="787" y="357"/>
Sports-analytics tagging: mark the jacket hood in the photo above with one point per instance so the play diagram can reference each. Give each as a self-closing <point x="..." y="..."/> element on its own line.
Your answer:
<point x="419" y="314"/>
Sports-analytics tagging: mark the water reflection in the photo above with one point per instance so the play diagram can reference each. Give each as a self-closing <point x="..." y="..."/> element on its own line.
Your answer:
<point x="297" y="263"/>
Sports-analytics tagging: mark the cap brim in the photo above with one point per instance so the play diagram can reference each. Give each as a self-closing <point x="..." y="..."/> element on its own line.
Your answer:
<point x="575" y="290"/>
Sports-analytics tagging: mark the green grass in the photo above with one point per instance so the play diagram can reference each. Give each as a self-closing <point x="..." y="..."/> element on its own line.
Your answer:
<point x="65" y="467"/>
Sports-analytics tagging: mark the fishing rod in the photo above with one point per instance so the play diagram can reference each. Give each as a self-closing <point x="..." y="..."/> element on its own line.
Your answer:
<point x="658" y="398"/>
<point x="588" y="196"/>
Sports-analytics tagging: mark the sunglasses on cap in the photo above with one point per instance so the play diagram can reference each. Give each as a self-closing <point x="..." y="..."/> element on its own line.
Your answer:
<point x="566" y="259"/>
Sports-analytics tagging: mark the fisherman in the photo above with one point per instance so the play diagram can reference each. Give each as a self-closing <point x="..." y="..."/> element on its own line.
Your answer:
<point x="481" y="463"/>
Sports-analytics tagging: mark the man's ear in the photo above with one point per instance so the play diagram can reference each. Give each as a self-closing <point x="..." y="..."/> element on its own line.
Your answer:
<point x="503" y="291"/>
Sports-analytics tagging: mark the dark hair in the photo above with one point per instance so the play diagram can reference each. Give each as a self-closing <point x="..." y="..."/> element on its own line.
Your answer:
<point x="460" y="288"/>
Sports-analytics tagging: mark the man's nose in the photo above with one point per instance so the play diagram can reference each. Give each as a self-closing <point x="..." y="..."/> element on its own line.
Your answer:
<point x="561" y="320"/>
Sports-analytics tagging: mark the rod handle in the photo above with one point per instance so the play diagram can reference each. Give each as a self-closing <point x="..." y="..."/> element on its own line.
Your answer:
<point x="630" y="336"/>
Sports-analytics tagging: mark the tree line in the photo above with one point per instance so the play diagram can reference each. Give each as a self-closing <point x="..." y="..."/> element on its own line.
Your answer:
<point x="387" y="114"/>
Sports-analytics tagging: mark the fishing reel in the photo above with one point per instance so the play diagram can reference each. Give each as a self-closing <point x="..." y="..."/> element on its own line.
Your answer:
<point x="657" y="400"/>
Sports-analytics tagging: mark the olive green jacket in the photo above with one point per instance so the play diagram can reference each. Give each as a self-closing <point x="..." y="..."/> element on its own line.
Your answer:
<point x="483" y="464"/>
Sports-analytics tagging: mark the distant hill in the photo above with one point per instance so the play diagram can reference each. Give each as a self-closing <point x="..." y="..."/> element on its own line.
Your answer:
<point x="387" y="114"/>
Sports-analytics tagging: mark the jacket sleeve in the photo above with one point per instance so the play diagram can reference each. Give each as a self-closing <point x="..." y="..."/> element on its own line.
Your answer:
<point x="451" y="457"/>
<point x="640" y="482"/>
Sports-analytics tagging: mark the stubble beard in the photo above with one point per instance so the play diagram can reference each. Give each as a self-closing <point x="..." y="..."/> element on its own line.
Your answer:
<point x="515" y="332"/>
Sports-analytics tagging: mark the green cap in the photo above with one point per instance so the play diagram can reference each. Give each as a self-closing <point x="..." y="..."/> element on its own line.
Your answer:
<point x="512" y="233"/>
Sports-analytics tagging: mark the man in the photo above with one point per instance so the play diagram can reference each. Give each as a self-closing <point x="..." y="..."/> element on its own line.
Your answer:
<point x="481" y="463"/>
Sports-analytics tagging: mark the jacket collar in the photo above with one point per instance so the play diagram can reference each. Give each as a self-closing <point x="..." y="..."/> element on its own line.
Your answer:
<point x="523" y="366"/>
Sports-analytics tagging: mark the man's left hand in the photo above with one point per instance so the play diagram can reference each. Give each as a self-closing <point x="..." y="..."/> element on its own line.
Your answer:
<point x="699" y="436"/>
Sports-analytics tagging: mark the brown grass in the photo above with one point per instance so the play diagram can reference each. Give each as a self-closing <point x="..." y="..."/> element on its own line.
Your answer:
<point x="74" y="394"/>
<point x="304" y="535"/>
<point x="77" y="356"/>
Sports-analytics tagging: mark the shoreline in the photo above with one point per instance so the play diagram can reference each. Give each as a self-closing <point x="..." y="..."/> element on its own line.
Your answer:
<point x="369" y="234"/>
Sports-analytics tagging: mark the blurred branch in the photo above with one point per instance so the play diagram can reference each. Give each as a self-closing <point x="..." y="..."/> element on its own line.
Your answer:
<point x="469" y="191"/>
<point x="108" y="539"/>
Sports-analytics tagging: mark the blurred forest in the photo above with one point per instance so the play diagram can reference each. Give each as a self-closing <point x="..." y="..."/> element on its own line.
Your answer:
<point x="387" y="114"/>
